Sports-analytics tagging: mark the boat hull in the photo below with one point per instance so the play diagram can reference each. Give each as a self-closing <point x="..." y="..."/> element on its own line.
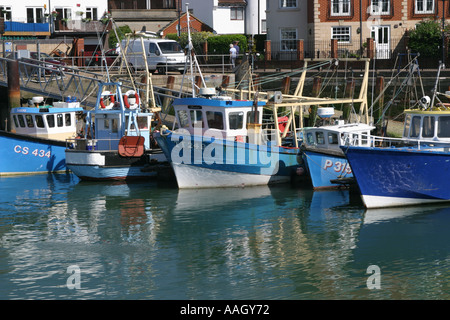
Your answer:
<point x="326" y="169"/>
<point x="201" y="162"/>
<point x="392" y="177"/>
<point x="21" y="154"/>
<point x="109" y="165"/>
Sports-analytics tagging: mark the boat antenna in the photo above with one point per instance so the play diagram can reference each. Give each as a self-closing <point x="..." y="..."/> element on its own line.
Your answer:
<point x="192" y="56"/>
<point x="441" y="65"/>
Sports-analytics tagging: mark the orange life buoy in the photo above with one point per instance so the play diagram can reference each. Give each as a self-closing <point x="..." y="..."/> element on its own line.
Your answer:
<point x="102" y="104"/>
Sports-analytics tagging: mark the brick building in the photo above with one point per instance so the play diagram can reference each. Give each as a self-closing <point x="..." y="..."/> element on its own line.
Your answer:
<point x="350" y="22"/>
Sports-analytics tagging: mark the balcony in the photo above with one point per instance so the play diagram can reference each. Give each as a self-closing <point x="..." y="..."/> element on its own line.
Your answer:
<point x="79" y="26"/>
<point x="144" y="15"/>
<point x="16" y="28"/>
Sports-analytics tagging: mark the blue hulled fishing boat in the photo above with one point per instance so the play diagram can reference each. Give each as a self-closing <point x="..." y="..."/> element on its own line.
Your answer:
<point x="36" y="142"/>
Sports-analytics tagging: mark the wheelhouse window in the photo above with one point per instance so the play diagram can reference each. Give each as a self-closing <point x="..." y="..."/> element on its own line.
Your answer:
<point x="183" y="118"/>
<point x="341" y="34"/>
<point x="237" y="13"/>
<point x="21" y="120"/>
<point x="428" y="127"/>
<point x="30" y="123"/>
<point x="197" y="118"/>
<point x="288" y="37"/>
<point x="59" y="120"/>
<point x="407" y="123"/>
<point x="39" y="121"/>
<point x="68" y="119"/>
<point x="332" y="138"/>
<point x="380" y="7"/>
<point x="320" y="138"/>
<point x="424" y="6"/>
<point x="236" y="120"/>
<point x="340" y="7"/>
<point x="214" y="119"/>
<point x="444" y="127"/>
<point x="415" y="127"/>
<point x="251" y="117"/>
<point x="51" y="120"/>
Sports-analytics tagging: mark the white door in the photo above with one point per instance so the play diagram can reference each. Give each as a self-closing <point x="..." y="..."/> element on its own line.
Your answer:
<point x="382" y="36"/>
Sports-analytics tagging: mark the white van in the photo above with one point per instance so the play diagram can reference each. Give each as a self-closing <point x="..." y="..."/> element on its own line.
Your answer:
<point x="162" y="54"/>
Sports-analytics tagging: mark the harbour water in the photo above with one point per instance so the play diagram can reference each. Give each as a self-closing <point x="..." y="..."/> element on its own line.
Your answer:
<point x="61" y="238"/>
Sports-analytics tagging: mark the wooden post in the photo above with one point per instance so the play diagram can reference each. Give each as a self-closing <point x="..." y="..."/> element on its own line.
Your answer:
<point x="379" y="86"/>
<point x="267" y="50"/>
<point x="313" y="109"/>
<point x="13" y="91"/>
<point x="349" y="92"/>
<point x="170" y="84"/>
<point x="286" y="85"/>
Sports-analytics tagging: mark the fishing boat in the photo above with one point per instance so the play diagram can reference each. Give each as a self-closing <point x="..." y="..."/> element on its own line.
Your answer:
<point x="324" y="160"/>
<point x="409" y="170"/>
<point x="220" y="141"/>
<point x="36" y="142"/>
<point x="117" y="143"/>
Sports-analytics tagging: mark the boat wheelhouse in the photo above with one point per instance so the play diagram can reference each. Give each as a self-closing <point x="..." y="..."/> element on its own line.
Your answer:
<point x="36" y="142"/>
<point x="117" y="144"/>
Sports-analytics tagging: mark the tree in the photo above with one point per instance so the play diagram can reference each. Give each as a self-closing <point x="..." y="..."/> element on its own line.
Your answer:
<point x="426" y="38"/>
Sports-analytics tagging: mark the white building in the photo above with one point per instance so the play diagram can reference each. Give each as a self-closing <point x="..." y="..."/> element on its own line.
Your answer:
<point x="32" y="11"/>
<point x="230" y="16"/>
<point x="287" y="22"/>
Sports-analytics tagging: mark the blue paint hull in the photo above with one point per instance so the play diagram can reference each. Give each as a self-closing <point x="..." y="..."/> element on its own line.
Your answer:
<point x="20" y="154"/>
<point x="325" y="168"/>
<point x="389" y="177"/>
<point x="204" y="162"/>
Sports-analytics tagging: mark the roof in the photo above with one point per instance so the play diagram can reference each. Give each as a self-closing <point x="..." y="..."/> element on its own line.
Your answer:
<point x="232" y="3"/>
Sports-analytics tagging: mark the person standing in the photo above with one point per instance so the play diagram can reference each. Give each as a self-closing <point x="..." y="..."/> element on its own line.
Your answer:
<point x="233" y="55"/>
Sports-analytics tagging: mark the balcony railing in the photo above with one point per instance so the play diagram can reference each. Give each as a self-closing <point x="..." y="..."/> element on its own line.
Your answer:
<point x="14" y="28"/>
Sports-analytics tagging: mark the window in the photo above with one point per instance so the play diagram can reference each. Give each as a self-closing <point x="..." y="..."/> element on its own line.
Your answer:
<point x="51" y="120"/>
<point x="415" y="127"/>
<point x="288" y="3"/>
<point x="342" y="34"/>
<point x="380" y="7"/>
<point x="288" y="37"/>
<point x="142" y="122"/>
<point x="6" y="12"/>
<point x="115" y="125"/>
<point x="21" y="120"/>
<point x="263" y="26"/>
<point x="197" y="118"/>
<point x="236" y="120"/>
<point x="424" y="6"/>
<point x="340" y="7"/>
<point x="319" y="137"/>
<point x="444" y="127"/>
<point x="59" y="120"/>
<point x="332" y="138"/>
<point x="91" y="13"/>
<point x="29" y="119"/>
<point x="64" y="13"/>
<point x="68" y="120"/>
<point x="35" y="15"/>
<point x="214" y="119"/>
<point x="39" y="121"/>
<point x="310" y="138"/>
<point x="428" y="127"/>
<point x="183" y="118"/>
<point x="237" y="13"/>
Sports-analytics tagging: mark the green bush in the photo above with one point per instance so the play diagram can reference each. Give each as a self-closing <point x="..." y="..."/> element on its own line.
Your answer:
<point x="198" y="39"/>
<point x="121" y="31"/>
<point x="426" y="38"/>
<point x="220" y="44"/>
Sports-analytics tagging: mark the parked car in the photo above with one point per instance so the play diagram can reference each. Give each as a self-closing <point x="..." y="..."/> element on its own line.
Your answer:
<point x="94" y="58"/>
<point x="51" y="62"/>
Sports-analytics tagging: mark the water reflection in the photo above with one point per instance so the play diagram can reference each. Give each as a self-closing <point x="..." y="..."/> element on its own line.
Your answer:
<point x="150" y="241"/>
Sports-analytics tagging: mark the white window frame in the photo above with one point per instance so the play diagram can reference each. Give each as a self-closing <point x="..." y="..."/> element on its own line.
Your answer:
<point x="66" y="12"/>
<point x="288" y="47"/>
<point x="7" y="15"/>
<point x="343" y="7"/>
<point x="288" y="4"/>
<point x="35" y="16"/>
<point x="92" y="13"/>
<point x="380" y="7"/>
<point x="427" y="6"/>
<point x="339" y="36"/>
